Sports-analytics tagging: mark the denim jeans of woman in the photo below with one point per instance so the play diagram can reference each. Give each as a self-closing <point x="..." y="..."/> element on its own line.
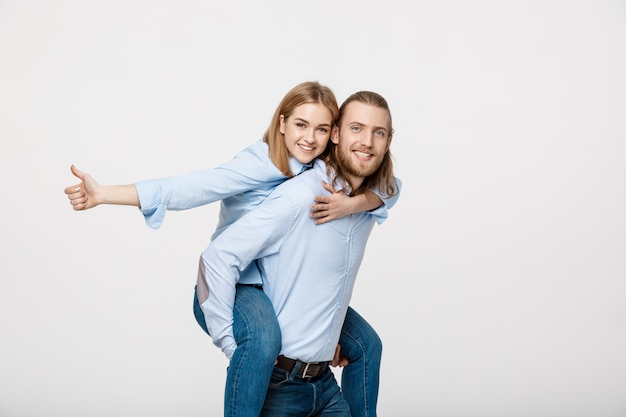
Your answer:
<point x="258" y="340"/>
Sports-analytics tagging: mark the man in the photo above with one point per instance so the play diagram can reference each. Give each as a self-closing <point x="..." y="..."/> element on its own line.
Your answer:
<point x="308" y="270"/>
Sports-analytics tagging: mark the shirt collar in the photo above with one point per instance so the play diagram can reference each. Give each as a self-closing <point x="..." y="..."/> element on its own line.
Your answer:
<point x="297" y="167"/>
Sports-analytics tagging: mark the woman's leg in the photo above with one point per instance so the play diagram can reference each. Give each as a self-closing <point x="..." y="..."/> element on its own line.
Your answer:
<point x="258" y="340"/>
<point x="359" y="380"/>
<point x="258" y="344"/>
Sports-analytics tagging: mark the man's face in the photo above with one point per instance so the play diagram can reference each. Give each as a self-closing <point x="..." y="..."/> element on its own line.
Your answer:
<point x="362" y="139"/>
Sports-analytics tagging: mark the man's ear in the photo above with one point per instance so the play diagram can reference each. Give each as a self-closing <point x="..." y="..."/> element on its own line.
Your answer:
<point x="334" y="135"/>
<point x="281" y="126"/>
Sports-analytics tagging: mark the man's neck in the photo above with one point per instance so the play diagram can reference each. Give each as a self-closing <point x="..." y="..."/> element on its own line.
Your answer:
<point x="355" y="181"/>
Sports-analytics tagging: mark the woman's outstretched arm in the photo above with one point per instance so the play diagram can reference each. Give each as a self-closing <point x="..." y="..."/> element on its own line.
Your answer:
<point x="88" y="193"/>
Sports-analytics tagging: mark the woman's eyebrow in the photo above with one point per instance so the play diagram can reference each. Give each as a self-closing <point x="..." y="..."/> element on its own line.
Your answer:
<point x="307" y="122"/>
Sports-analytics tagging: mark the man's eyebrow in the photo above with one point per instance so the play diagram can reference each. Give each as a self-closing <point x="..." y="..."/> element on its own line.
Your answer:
<point x="356" y="123"/>
<point x="363" y="125"/>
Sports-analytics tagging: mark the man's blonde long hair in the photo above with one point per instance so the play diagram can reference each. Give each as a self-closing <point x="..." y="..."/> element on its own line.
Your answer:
<point x="306" y="92"/>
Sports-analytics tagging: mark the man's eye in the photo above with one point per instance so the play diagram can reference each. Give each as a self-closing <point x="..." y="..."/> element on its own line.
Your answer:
<point x="356" y="128"/>
<point x="380" y="132"/>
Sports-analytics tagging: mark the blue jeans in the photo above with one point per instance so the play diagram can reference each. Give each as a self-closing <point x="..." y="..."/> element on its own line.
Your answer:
<point x="258" y="338"/>
<point x="292" y="396"/>
<point x="360" y="379"/>
<point x="258" y="344"/>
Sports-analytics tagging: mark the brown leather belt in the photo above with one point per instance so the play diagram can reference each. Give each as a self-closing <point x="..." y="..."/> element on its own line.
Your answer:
<point x="306" y="370"/>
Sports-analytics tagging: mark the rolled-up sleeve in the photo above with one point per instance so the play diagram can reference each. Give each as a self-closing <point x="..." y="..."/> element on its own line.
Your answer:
<point x="380" y="214"/>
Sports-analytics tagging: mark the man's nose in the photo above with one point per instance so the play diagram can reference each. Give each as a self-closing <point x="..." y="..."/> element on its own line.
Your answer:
<point x="368" y="139"/>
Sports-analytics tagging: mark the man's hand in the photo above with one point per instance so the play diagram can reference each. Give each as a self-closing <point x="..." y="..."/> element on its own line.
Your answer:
<point x="339" y="359"/>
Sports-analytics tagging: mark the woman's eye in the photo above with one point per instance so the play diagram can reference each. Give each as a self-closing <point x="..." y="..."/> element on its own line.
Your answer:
<point x="300" y="124"/>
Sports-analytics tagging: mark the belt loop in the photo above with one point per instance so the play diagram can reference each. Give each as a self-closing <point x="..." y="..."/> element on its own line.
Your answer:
<point x="294" y="372"/>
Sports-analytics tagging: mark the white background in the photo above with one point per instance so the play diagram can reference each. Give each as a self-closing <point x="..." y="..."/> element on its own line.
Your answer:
<point x="497" y="284"/>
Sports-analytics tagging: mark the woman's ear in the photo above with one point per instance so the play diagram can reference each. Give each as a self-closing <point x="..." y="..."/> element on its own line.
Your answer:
<point x="281" y="126"/>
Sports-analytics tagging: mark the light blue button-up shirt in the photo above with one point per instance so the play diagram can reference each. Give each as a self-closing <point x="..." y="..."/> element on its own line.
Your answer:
<point x="308" y="270"/>
<point x="241" y="184"/>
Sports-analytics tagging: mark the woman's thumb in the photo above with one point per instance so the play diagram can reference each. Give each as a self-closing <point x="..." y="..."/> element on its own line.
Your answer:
<point x="77" y="173"/>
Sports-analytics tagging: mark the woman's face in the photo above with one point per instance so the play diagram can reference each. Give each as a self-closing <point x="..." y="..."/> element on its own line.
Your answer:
<point x="307" y="131"/>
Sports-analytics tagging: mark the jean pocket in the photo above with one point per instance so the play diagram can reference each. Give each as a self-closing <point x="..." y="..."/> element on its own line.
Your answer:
<point x="279" y="377"/>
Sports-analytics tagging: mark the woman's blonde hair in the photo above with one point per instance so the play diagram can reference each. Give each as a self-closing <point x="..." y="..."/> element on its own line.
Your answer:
<point x="306" y="92"/>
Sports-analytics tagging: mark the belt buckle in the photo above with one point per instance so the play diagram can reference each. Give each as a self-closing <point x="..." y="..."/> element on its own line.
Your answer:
<point x="306" y="369"/>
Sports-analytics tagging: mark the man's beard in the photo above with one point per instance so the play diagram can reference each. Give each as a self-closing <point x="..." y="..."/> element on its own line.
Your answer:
<point x="355" y="167"/>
